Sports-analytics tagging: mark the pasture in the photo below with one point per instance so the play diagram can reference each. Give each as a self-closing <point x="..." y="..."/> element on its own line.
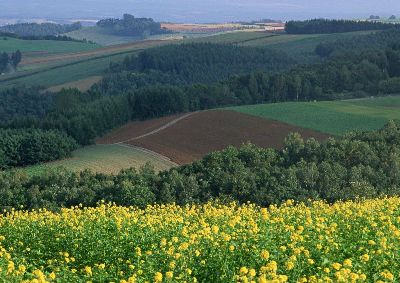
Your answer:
<point x="331" y="117"/>
<point x="105" y="159"/>
<point x="59" y="69"/>
<point x="31" y="48"/>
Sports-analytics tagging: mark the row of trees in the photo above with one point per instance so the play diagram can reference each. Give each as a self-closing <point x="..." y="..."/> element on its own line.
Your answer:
<point x="9" y="62"/>
<point x="333" y="26"/>
<point x="30" y="146"/>
<point x="359" y="165"/>
<point x="131" y="26"/>
<point x="40" y="30"/>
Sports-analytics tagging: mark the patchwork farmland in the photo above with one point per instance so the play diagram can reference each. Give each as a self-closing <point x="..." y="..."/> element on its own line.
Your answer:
<point x="198" y="134"/>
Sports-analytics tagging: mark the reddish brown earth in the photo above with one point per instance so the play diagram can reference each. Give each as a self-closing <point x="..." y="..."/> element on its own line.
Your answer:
<point x="135" y="129"/>
<point x="201" y="133"/>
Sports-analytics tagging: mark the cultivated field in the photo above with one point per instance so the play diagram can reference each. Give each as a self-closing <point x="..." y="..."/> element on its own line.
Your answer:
<point x="106" y="159"/>
<point x="332" y="117"/>
<point x="200" y="133"/>
<point x="59" y="69"/>
<point x="34" y="48"/>
<point x="318" y="242"/>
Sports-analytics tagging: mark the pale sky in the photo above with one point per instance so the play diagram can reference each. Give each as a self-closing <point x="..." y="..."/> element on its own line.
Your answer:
<point x="198" y="11"/>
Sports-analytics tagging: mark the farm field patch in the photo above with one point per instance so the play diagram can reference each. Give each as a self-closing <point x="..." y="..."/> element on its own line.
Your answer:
<point x="135" y="129"/>
<point x="105" y="159"/>
<point x="34" y="48"/>
<point x="204" y="132"/>
<point x="332" y="117"/>
<point x="353" y="241"/>
<point x="82" y="85"/>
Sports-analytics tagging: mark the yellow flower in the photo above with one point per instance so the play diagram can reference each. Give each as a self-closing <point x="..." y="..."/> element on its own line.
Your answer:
<point x="52" y="276"/>
<point x="243" y="270"/>
<point x="88" y="270"/>
<point x="169" y="274"/>
<point x="252" y="272"/>
<point x="265" y="255"/>
<point x="158" y="277"/>
<point x="289" y="265"/>
<point x="336" y="266"/>
<point x="347" y="262"/>
<point x="365" y="257"/>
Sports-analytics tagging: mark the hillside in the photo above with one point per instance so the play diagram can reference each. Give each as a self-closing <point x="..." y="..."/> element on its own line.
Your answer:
<point x="333" y="117"/>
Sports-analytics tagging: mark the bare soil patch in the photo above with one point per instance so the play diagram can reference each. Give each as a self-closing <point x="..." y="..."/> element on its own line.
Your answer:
<point x="204" y="132"/>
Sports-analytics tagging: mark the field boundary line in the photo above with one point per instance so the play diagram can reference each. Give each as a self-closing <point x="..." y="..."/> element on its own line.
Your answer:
<point x="148" y="151"/>
<point x="169" y="124"/>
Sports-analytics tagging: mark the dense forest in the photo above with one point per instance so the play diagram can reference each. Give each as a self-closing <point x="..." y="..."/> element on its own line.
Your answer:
<point x="30" y="146"/>
<point x="131" y="26"/>
<point x="203" y="62"/>
<point x="358" y="165"/>
<point x="39" y="30"/>
<point x="333" y="26"/>
<point x="9" y="62"/>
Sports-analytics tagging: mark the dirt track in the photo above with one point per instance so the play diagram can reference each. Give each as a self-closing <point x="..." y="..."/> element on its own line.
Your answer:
<point x="196" y="135"/>
<point x="136" y="129"/>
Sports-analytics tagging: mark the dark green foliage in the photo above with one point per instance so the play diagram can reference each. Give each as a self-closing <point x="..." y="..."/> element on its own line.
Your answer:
<point x="204" y="62"/>
<point x="316" y="26"/>
<point x="131" y="26"/>
<point x="40" y="30"/>
<point x="352" y="46"/>
<point x="9" y="62"/>
<point x="30" y="146"/>
<point x="358" y="165"/>
<point x="16" y="103"/>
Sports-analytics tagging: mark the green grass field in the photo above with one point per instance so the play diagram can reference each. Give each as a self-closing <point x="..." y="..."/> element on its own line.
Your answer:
<point x="332" y="117"/>
<point x="41" y="47"/>
<point x="95" y="34"/>
<point x="104" y="159"/>
<point x="61" y="73"/>
<point x="98" y="36"/>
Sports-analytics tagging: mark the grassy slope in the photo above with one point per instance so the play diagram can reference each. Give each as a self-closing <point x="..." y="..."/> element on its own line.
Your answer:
<point x="104" y="159"/>
<point x="64" y="72"/>
<point x="333" y="117"/>
<point x="46" y="46"/>
<point x="96" y="35"/>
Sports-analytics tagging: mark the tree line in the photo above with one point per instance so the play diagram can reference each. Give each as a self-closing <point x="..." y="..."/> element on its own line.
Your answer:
<point x="9" y="62"/>
<point x="6" y="35"/>
<point x="39" y="30"/>
<point x="21" y="147"/>
<point x="359" y="165"/>
<point x="131" y="26"/>
<point x="316" y="26"/>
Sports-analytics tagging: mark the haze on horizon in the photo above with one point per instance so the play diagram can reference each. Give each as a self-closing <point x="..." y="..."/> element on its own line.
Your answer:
<point x="197" y="11"/>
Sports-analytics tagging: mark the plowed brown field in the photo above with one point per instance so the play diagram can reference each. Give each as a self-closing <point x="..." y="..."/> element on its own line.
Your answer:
<point x="191" y="138"/>
<point x="135" y="129"/>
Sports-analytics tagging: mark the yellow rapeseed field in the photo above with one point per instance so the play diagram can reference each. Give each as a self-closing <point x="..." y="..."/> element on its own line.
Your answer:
<point x="344" y="242"/>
